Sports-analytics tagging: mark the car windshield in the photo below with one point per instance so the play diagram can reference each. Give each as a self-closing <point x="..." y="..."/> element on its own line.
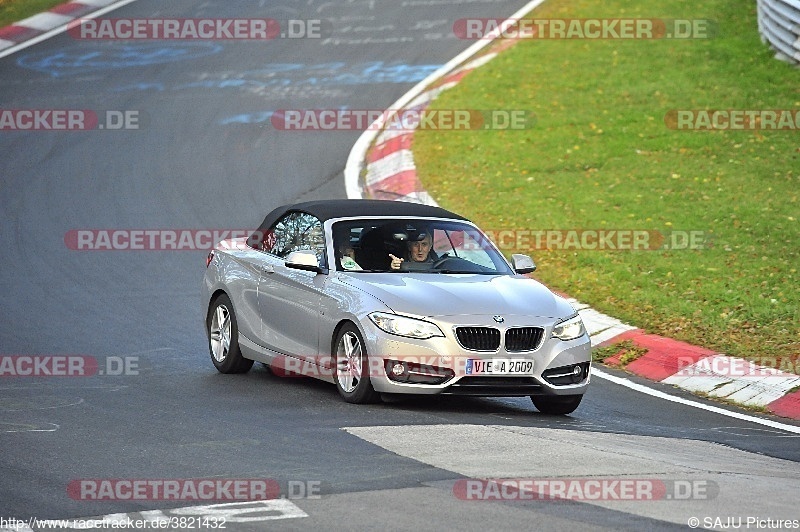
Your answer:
<point x="415" y="245"/>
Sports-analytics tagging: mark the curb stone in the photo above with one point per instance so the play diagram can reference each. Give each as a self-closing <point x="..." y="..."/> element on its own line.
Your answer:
<point x="55" y="18"/>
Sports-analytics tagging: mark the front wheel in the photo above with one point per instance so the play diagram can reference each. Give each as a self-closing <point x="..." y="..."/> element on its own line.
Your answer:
<point x="352" y="367"/>
<point x="557" y="405"/>
<point x="223" y="338"/>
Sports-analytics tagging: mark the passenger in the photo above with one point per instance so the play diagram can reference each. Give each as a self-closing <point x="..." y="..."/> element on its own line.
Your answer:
<point x="347" y="257"/>
<point x="345" y="254"/>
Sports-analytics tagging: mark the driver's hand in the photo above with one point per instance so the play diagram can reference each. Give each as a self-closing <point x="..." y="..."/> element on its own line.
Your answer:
<point x="395" y="262"/>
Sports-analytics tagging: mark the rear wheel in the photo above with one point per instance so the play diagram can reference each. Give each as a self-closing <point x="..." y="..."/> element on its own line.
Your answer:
<point x="352" y="367"/>
<point x="557" y="405"/>
<point x="223" y="338"/>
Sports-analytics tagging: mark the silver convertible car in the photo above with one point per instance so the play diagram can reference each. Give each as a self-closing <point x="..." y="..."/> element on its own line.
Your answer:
<point x="384" y="298"/>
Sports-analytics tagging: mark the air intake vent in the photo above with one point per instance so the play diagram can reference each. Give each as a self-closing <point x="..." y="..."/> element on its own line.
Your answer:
<point x="524" y="338"/>
<point x="478" y="338"/>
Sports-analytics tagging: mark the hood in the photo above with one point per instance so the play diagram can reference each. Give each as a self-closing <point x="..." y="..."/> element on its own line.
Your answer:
<point x="430" y="294"/>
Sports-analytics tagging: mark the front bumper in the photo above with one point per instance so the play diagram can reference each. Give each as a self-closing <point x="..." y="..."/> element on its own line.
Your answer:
<point x="443" y="366"/>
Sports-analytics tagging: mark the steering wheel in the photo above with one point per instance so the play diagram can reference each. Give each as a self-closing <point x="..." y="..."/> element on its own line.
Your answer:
<point x="444" y="258"/>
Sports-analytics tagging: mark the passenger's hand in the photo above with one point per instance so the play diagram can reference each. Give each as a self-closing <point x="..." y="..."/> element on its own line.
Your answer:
<point x="395" y="262"/>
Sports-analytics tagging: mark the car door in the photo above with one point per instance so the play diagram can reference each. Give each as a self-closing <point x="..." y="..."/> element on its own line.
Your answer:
<point x="289" y="299"/>
<point x="243" y="272"/>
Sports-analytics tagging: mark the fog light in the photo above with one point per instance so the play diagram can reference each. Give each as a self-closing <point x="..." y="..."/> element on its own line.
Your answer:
<point x="565" y="375"/>
<point x="398" y="369"/>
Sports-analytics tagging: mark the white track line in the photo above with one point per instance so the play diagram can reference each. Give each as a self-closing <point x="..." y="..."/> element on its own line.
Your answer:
<point x="709" y="408"/>
<point x="352" y="169"/>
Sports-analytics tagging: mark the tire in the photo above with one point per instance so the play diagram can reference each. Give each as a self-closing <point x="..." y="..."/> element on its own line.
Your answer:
<point x="556" y="405"/>
<point x="223" y="338"/>
<point x="351" y="370"/>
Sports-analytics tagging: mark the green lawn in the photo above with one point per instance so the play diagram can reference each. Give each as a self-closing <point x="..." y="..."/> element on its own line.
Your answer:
<point x="602" y="157"/>
<point x="14" y="10"/>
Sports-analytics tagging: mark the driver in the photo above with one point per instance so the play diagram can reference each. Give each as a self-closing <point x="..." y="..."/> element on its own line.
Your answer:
<point x="419" y="251"/>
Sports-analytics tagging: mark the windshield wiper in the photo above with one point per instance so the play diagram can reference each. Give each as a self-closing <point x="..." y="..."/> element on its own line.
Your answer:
<point x="469" y="273"/>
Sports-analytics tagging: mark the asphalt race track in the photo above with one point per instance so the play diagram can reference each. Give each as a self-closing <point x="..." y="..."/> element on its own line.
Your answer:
<point x="207" y="156"/>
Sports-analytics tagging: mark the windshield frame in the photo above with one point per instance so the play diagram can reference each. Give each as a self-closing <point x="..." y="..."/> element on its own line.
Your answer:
<point x="449" y="226"/>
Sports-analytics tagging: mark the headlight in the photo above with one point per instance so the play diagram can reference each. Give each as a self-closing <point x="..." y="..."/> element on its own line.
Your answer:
<point x="402" y="326"/>
<point x="569" y="329"/>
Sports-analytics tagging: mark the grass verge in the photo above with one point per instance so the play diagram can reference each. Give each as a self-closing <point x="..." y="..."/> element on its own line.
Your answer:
<point x="626" y="350"/>
<point x="602" y="157"/>
<point x="14" y="10"/>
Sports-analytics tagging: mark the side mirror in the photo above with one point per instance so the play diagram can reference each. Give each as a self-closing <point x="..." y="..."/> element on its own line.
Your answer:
<point x="303" y="260"/>
<point x="522" y="263"/>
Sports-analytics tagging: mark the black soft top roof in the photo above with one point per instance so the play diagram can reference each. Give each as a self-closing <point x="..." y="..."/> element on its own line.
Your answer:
<point x="328" y="209"/>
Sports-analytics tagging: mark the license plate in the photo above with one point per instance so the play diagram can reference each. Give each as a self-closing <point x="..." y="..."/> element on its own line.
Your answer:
<point x="498" y="366"/>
